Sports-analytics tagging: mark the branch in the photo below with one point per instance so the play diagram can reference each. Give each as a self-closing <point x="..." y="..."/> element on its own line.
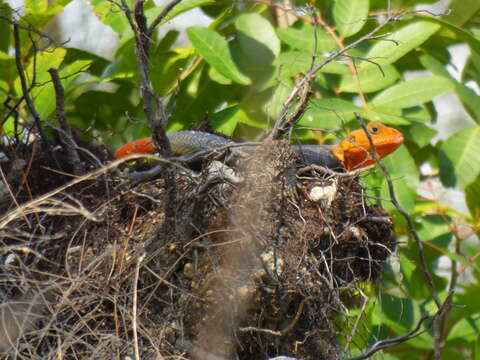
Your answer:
<point x="161" y="16"/>
<point x="23" y="81"/>
<point x="286" y="121"/>
<point x="411" y="226"/>
<point x="67" y="140"/>
<point x="152" y="103"/>
<point x="383" y="344"/>
<point x="423" y="263"/>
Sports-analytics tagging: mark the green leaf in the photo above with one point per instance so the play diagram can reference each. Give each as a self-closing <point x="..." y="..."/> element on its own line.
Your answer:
<point x="6" y="13"/>
<point x="291" y="63"/>
<point x="350" y="16"/>
<point x="45" y="99"/>
<point x="417" y="114"/>
<point x="405" y="178"/>
<point x="369" y="80"/>
<point x="304" y="39"/>
<point x="472" y="194"/>
<point x="435" y="227"/>
<point x="251" y="118"/>
<point x="465" y="330"/>
<point x="408" y="38"/>
<point x="125" y="63"/>
<point x="274" y="106"/>
<point x="36" y="6"/>
<point x="420" y="134"/>
<point x="8" y="69"/>
<point x="468" y="97"/>
<point x="4" y="56"/>
<point x="214" y="49"/>
<point x="459" y="32"/>
<point x="42" y="95"/>
<point x="460" y="157"/>
<point x="402" y="315"/>
<point x="413" y="92"/>
<point x="390" y="116"/>
<point x="256" y="30"/>
<point x="167" y="68"/>
<point x="412" y="279"/>
<point x="217" y="77"/>
<point x="460" y="14"/>
<point x="477" y="349"/>
<point x="258" y="45"/>
<point x="111" y="15"/>
<point x="327" y="113"/>
<point x="226" y="120"/>
<point x="178" y="9"/>
<point x="40" y="12"/>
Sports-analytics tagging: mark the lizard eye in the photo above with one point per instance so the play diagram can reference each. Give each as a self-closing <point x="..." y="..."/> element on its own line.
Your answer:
<point x="374" y="130"/>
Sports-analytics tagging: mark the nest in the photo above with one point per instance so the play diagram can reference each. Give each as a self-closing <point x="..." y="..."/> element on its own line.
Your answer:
<point x="189" y="265"/>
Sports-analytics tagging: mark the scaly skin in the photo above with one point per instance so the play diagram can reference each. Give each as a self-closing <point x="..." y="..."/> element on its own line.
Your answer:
<point x="352" y="153"/>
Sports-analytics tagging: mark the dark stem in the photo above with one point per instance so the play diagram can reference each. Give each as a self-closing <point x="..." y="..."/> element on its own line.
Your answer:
<point x="418" y="242"/>
<point x="67" y="138"/>
<point x="23" y="82"/>
<point x="161" y="16"/>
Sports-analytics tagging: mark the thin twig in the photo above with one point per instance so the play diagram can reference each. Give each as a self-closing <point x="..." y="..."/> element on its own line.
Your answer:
<point x="411" y="226"/>
<point x="23" y="82"/>
<point x="286" y="120"/>
<point x="134" y="309"/>
<point x="161" y="16"/>
<point x="413" y="232"/>
<point x="383" y="344"/>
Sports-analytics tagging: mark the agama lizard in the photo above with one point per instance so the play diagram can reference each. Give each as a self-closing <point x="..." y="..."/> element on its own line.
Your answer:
<point x="352" y="153"/>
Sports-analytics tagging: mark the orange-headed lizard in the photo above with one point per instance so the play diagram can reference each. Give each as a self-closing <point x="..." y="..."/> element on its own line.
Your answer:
<point x="353" y="153"/>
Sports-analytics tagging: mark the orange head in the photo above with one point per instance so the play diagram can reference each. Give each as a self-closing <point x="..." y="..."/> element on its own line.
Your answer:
<point x="356" y="152"/>
<point x="139" y="146"/>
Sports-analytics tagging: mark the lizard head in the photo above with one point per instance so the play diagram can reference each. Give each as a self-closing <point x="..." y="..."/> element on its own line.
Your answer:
<point x="139" y="146"/>
<point x="356" y="151"/>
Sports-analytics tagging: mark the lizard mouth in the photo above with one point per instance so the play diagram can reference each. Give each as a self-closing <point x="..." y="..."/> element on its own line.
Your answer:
<point x="399" y="139"/>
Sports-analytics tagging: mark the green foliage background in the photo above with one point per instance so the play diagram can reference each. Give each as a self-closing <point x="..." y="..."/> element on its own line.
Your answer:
<point x="241" y="69"/>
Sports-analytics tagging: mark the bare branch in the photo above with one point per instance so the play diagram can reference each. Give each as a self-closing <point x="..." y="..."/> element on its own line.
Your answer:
<point x="23" y="82"/>
<point x="383" y="344"/>
<point x="286" y="121"/>
<point x="152" y="103"/>
<point x="411" y="226"/>
<point x="423" y="263"/>
<point x="67" y="139"/>
<point x="161" y="16"/>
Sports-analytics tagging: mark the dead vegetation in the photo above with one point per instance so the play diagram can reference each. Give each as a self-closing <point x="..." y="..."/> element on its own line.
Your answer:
<point x="198" y="269"/>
